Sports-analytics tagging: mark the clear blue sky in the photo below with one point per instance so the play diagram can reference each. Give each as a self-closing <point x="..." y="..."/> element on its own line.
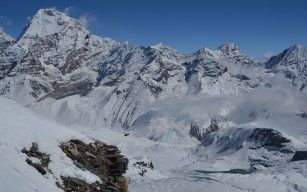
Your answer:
<point x="257" y="26"/>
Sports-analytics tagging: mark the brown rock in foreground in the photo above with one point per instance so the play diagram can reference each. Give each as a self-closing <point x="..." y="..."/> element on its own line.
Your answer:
<point x="102" y="160"/>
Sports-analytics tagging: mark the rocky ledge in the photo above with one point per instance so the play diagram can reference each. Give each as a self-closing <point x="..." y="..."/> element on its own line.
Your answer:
<point x="105" y="161"/>
<point x="102" y="160"/>
<point x="42" y="159"/>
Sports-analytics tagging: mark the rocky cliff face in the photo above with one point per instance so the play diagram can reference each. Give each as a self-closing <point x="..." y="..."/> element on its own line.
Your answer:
<point x="104" y="161"/>
<point x="232" y="51"/>
<point x="101" y="159"/>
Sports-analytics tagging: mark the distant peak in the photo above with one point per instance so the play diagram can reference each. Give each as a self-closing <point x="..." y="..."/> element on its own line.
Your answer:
<point x="204" y="49"/>
<point x="162" y="47"/>
<point x="206" y="52"/>
<point x="48" y="11"/>
<point x="231" y="50"/>
<point x="294" y="54"/>
<point x="228" y="48"/>
<point x="159" y="46"/>
<point x="297" y="47"/>
<point x="49" y="15"/>
<point x="294" y="49"/>
<point x="49" y="21"/>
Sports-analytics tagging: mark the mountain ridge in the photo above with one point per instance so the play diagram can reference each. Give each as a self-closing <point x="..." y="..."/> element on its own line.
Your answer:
<point x="43" y="68"/>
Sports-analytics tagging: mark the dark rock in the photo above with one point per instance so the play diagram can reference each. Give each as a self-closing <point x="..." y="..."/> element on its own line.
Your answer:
<point x="143" y="166"/>
<point x="34" y="147"/>
<point x="195" y="131"/>
<point x="242" y="77"/>
<point x="44" y="159"/>
<point x="71" y="184"/>
<point x="142" y="173"/>
<point x="37" y="166"/>
<point x="256" y="138"/>
<point x="262" y="162"/>
<point x="302" y="115"/>
<point x="299" y="156"/>
<point x="99" y="158"/>
<point x="199" y="134"/>
<point x="213" y="127"/>
<point x="205" y="67"/>
<point x="268" y="138"/>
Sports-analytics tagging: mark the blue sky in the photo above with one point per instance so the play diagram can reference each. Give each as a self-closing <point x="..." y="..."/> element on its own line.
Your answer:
<point x="257" y="26"/>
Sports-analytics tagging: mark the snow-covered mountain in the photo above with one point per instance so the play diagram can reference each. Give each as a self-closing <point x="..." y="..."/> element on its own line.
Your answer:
<point x="165" y="100"/>
<point x="293" y="63"/>
<point x="56" y="57"/>
<point x="5" y="40"/>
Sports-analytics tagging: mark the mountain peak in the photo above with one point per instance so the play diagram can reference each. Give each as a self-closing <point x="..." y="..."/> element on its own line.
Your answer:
<point x="297" y="46"/>
<point x="230" y="49"/>
<point x="163" y="48"/>
<point x="206" y="52"/>
<point x="290" y="60"/>
<point x="48" y="12"/>
<point x="49" y="21"/>
<point x="295" y="52"/>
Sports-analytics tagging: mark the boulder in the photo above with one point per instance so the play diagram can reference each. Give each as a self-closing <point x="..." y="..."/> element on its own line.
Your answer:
<point x="299" y="156"/>
<point x="33" y="152"/>
<point x="105" y="161"/>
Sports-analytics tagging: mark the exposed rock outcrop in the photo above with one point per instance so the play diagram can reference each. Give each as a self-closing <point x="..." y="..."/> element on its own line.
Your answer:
<point x="196" y="132"/>
<point x="303" y="115"/>
<point x="299" y="156"/>
<point x="42" y="159"/>
<point x="266" y="147"/>
<point x="268" y="138"/>
<point x="77" y="185"/>
<point x="102" y="160"/>
<point x="143" y="166"/>
<point x="256" y="138"/>
<point x="200" y="134"/>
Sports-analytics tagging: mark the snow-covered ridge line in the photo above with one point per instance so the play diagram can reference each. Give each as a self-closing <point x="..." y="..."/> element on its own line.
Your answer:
<point x="60" y="69"/>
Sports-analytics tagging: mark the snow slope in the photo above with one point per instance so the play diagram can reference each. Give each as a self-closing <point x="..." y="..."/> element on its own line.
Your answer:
<point x="174" y="165"/>
<point x="19" y="128"/>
